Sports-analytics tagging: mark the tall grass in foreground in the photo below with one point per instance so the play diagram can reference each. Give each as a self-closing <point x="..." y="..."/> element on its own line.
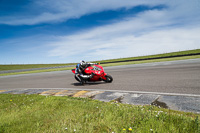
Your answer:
<point x="35" y="113"/>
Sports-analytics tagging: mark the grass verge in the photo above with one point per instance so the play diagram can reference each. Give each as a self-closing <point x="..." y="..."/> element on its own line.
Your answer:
<point x="151" y="61"/>
<point x="155" y="56"/>
<point x="17" y="67"/>
<point x="105" y="65"/>
<point x="35" y="113"/>
<point x="37" y="71"/>
<point x="30" y="66"/>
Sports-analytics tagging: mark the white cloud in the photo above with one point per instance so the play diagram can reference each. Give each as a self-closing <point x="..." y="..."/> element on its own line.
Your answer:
<point x="151" y="32"/>
<point x="155" y="42"/>
<point x="148" y="33"/>
<point x="56" y="11"/>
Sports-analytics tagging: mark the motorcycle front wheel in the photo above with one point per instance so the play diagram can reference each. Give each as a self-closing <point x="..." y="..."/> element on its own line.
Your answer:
<point x="109" y="78"/>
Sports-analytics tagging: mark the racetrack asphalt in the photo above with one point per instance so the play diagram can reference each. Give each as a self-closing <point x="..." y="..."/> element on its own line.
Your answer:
<point x="166" y="77"/>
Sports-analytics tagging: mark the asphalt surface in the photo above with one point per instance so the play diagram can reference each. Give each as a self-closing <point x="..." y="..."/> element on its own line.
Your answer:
<point x="167" y="77"/>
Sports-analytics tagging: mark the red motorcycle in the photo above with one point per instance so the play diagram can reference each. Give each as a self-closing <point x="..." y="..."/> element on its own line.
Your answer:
<point x="99" y="74"/>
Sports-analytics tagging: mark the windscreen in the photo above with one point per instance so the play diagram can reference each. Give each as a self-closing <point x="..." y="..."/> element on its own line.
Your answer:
<point x="96" y="68"/>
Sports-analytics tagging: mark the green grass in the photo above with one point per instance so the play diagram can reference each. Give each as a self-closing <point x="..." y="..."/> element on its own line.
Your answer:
<point x="30" y="66"/>
<point x="35" y="113"/>
<point x="17" y="67"/>
<point x="151" y="61"/>
<point x="153" y="56"/>
<point x="105" y="65"/>
<point x="37" y="71"/>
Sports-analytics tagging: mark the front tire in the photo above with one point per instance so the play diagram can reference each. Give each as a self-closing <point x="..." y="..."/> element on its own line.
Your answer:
<point x="109" y="78"/>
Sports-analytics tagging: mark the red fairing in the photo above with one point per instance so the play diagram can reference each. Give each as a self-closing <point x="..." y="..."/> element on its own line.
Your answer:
<point x="98" y="71"/>
<point x="89" y="70"/>
<point x="73" y="70"/>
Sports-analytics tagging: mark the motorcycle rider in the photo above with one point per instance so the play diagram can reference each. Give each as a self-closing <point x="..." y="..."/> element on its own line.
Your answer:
<point x="79" y="74"/>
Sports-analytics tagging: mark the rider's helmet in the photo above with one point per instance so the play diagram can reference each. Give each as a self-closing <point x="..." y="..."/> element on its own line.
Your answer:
<point x="83" y="63"/>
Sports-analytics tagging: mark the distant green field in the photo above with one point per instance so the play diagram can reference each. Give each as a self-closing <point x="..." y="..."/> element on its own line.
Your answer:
<point x="105" y="65"/>
<point x="30" y="66"/>
<point x="104" y="62"/>
<point x="150" y="61"/>
<point x="154" y="56"/>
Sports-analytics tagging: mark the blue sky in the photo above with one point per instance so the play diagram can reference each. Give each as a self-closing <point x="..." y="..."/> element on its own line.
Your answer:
<point x="49" y="31"/>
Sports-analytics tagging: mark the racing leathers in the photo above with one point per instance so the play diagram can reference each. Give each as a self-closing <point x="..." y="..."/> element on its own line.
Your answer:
<point x="80" y="74"/>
